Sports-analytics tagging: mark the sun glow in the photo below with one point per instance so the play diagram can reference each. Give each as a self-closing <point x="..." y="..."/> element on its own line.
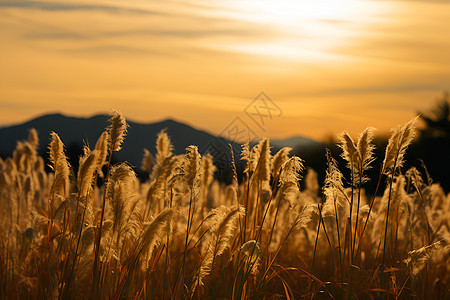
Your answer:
<point x="307" y="29"/>
<point x="291" y="10"/>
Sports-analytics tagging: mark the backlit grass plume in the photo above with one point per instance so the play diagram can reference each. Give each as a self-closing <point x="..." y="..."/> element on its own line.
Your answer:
<point x="154" y="231"/>
<point x="252" y="256"/>
<point x="117" y="130"/>
<point x="358" y="155"/>
<point x="290" y="170"/>
<point x="102" y="147"/>
<point x="147" y="161"/>
<point x="399" y="141"/>
<point x="88" y="167"/>
<point x="279" y="159"/>
<point x="224" y="223"/>
<point x="191" y="167"/>
<point x="418" y="258"/>
<point x="263" y="165"/>
<point x="59" y="164"/>
<point x="164" y="147"/>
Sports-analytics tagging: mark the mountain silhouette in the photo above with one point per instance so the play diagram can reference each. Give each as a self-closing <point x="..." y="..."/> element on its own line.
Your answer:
<point x="76" y="131"/>
<point x="294" y="142"/>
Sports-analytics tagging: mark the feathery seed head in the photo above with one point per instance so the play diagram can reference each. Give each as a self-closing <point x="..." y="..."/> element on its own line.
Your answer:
<point x="86" y="170"/>
<point x="122" y="173"/>
<point x="147" y="161"/>
<point x="117" y="130"/>
<point x="418" y="258"/>
<point x="263" y="171"/>
<point x="279" y="159"/>
<point x="349" y="149"/>
<point x="191" y="166"/>
<point x="250" y="247"/>
<point x="102" y="147"/>
<point x="59" y="164"/>
<point x="246" y="156"/>
<point x="415" y="177"/>
<point x="333" y="176"/>
<point x="156" y="230"/>
<point x="365" y="146"/>
<point x="33" y="138"/>
<point x="365" y="152"/>
<point x="358" y="156"/>
<point x="223" y="221"/>
<point x="290" y="170"/>
<point x="208" y="169"/>
<point x="252" y="253"/>
<point x="399" y="141"/>
<point x="56" y="149"/>
<point x="245" y="153"/>
<point x="304" y="215"/>
<point x="164" y="147"/>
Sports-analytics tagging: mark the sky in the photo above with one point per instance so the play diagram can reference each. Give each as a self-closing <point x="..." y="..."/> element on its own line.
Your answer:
<point x="276" y="68"/>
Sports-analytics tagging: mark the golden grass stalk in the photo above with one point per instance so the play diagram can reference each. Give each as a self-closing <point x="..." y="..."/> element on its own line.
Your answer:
<point x="191" y="175"/>
<point x="400" y="139"/>
<point x="335" y="196"/>
<point x="117" y="131"/>
<point x="224" y="224"/>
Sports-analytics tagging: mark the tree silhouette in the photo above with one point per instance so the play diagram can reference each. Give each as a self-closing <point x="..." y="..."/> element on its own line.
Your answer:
<point x="433" y="144"/>
<point x="437" y="123"/>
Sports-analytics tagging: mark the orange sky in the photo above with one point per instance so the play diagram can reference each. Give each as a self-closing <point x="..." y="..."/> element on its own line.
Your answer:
<point x="327" y="66"/>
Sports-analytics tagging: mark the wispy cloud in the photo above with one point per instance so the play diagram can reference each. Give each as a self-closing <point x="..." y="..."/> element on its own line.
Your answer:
<point x="72" y="6"/>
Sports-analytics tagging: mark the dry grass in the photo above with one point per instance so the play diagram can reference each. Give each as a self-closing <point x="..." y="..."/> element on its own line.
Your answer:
<point x="182" y="235"/>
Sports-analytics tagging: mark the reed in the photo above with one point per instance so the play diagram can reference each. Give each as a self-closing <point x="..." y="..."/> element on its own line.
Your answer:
<point x="179" y="233"/>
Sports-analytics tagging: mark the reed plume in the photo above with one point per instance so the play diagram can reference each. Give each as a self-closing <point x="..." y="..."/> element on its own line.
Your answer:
<point x="33" y="138"/>
<point x="263" y="167"/>
<point x="252" y="256"/>
<point x="399" y="141"/>
<point x="117" y="130"/>
<point x="59" y="164"/>
<point x="290" y="170"/>
<point x="191" y="167"/>
<point x="164" y="147"/>
<point x="155" y="231"/>
<point x="88" y="166"/>
<point x="418" y="258"/>
<point x="102" y="147"/>
<point x="222" y="231"/>
<point x="147" y="161"/>
<point x="279" y="159"/>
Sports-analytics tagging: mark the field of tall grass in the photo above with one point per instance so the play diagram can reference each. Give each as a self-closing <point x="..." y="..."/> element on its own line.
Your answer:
<point x="100" y="233"/>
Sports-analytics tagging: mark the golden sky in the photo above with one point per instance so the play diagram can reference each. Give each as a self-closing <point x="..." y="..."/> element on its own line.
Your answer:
<point x="327" y="66"/>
